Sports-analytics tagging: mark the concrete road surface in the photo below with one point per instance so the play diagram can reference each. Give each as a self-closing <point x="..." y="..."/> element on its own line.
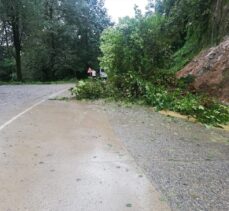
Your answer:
<point x="65" y="156"/>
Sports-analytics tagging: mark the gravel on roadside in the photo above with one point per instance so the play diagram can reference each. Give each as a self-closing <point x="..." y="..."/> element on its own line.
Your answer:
<point x="187" y="162"/>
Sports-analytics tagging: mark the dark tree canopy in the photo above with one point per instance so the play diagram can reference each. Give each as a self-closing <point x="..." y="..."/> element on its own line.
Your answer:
<point x="50" y="39"/>
<point x="59" y="39"/>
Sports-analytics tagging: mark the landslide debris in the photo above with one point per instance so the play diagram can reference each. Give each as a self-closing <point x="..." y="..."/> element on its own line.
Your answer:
<point x="210" y="70"/>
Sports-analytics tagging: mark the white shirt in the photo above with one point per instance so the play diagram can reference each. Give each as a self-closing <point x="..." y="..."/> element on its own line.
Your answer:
<point x="93" y="73"/>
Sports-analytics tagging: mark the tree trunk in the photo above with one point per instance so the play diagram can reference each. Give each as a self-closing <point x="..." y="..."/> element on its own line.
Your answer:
<point x="17" y="46"/>
<point x="6" y="36"/>
<point x="49" y="73"/>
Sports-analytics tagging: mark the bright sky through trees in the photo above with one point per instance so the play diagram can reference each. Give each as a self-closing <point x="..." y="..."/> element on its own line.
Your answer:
<point x="122" y="8"/>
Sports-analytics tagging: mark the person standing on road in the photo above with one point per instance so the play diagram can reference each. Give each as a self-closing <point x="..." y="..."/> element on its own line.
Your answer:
<point x="89" y="72"/>
<point x="93" y="74"/>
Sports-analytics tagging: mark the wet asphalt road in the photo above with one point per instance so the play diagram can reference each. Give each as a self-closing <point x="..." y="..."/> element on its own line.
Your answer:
<point x="16" y="98"/>
<point x="68" y="155"/>
<point x="65" y="156"/>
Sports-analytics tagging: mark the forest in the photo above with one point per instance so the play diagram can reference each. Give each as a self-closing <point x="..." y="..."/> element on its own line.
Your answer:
<point x="143" y="54"/>
<point x="52" y="40"/>
<point x="59" y="39"/>
<point x="48" y="40"/>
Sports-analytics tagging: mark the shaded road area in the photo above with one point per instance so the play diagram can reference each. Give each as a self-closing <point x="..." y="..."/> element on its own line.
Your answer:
<point x="65" y="156"/>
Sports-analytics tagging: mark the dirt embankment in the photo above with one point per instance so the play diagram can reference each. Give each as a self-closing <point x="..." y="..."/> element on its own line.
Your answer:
<point x="211" y="71"/>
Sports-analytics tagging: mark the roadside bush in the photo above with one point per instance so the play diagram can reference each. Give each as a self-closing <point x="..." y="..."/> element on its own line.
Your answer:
<point x="188" y="105"/>
<point x="213" y="113"/>
<point x="204" y="109"/>
<point x="159" y="97"/>
<point x="6" y="69"/>
<point x="130" y="88"/>
<point x="127" y="86"/>
<point x="90" y="89"/>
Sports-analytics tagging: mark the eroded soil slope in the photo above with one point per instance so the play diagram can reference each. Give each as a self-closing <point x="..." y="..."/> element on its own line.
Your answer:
<point x="211" y="71"/>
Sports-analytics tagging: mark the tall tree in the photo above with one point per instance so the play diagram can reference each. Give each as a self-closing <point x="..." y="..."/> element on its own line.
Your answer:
<point x="53" y="39"/>
<point x="12" y="15"/>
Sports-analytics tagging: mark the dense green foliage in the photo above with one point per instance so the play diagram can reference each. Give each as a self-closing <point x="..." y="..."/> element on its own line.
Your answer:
<point x="142" y="54"/>
<point x="167" y="39"/>
<point x="90" y="89"/>
<point x="202" y="108"/>
<point x="50" y="39"/>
